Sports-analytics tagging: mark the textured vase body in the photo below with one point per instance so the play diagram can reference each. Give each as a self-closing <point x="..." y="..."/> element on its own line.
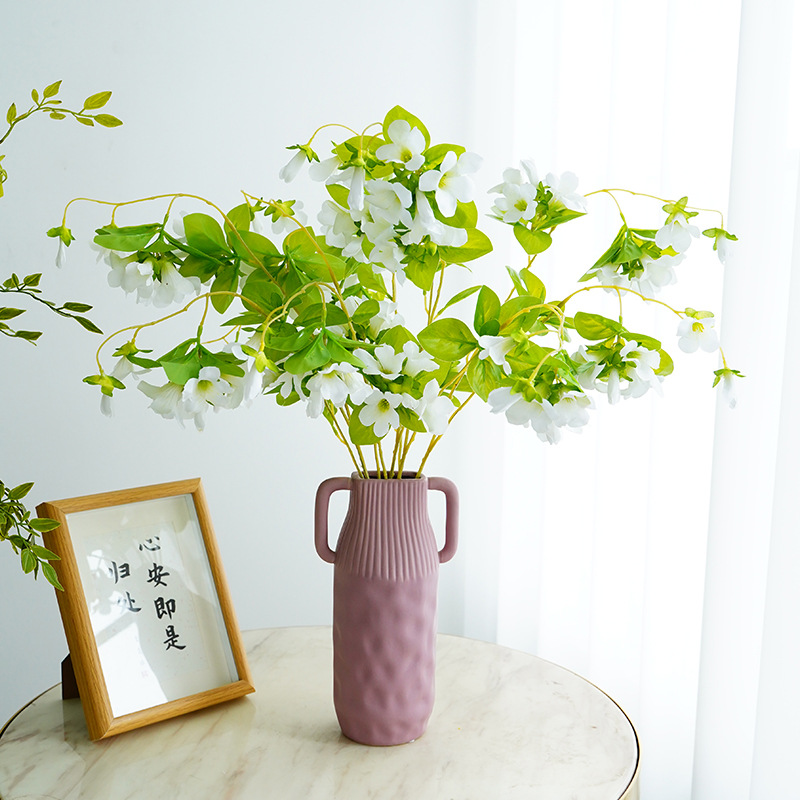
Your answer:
<point x="386" y="568"/>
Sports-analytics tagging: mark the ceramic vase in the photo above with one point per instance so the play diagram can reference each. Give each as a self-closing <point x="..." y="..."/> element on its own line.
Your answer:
<point x="386" y="569"/>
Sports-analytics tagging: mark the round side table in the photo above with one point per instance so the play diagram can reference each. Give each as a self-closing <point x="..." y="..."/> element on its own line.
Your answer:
<point x="506" y="724"/>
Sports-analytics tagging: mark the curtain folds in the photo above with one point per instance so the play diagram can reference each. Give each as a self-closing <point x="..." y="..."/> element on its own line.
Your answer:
<point x="656" y="553"/>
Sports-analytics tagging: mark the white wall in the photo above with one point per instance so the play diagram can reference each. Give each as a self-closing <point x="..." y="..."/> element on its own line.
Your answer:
<point x="210" y="95"/>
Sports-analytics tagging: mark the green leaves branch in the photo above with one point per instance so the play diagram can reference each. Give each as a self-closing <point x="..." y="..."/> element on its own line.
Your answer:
<point x="20" y="530"/>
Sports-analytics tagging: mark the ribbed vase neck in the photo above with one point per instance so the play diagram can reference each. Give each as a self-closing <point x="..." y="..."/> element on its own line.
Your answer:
<point x="387" y="533"/>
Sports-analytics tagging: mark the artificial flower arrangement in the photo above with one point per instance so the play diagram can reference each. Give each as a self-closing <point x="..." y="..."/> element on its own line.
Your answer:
<point x="319" y="317"/>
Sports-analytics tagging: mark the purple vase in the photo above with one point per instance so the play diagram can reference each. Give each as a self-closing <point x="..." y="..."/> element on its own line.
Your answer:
<point x="386" y="569"/>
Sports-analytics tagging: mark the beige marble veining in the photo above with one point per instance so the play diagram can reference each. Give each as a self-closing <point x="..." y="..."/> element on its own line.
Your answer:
<point x="505" y="724"/>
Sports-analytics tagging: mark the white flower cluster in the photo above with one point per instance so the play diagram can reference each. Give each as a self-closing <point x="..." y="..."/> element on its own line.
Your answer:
<point x="341" y="383"/>
<point x="383" y="215"/>
<point x="155" y="282"/>
<point x="520" y="192"/>
<point x="547" y="419"/>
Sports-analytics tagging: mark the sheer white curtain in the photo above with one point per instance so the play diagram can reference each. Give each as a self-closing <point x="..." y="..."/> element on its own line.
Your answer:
<point x="655" y="553"/>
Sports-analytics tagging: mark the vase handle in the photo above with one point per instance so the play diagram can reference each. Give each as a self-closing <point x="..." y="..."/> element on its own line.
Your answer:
<point x="326" y="489"/>
<point x="448" y="488"/>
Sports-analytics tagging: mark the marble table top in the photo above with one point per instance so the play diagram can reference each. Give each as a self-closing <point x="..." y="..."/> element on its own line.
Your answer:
<point x="505" y="725"/>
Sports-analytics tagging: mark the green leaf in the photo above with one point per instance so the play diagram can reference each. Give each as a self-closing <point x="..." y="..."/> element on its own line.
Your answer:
<point x="448" y="339"/>
<point x="396" y="336"/>
<point x="463" y="295"/>
<point x="29" y="561"/>
<point x="487" y="311"/>
<point x="32" y="280"/>
<point x="533" y="284"/>
<point x="360" y="434"/>
<point x="478" y="244"/>
<point x="596" y="327"/>
<point x="318" y="314"/>
<point x="80" y="308"/>
<point x="466" y="216"/>
<point x="87" y="324"/>
<point x="10" y="313"/>
<point x="85" y="121"/>
<point x="421" y="267"/>
<point x="365" y="312"/>
<point x="96" y="100"/>
<point x="28" y="336"/>
<point x="18" y="492"/>
<point x="43" y="552"/>
<point x="240" y="218"/>
<point x="261" y="289"/>
<point x="410" y="419"/>
<point x="180" y="369"/>
<point x="52" y="89"/>
<point x="398" y="112"/>
<point x="198" y="267"/>
<point x="484" y="376"/>
<point x="369" y="280"/>
<point x="253" y="248"/>
<point x="43" y="524"/>
<point x="435" y="155"/>
<point x="666" y="365"/>
<point x="306" y="256"/>
<point x="203" y="233"/>
<point x="533" y="242"/>
<point x="127" y="239"/>
<point x="227" y="280"/>
<point x="107" y="120"/>
<point x="309" y="358"/>
<point x="51" y="576"/>
<point x="513" y="316"/>
<point x="11" y="114"/>
<point x="35" y="96"/>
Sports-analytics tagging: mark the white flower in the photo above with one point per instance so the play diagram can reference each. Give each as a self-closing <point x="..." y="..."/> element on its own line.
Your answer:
<point x="641" y="364"/>
<point x="335" y="383"/>
<point x="207" y="389"/>
<point x="729" y="388"/>
<point x="288" y="383"/>
<point x="724" y="246"/>
<point x="61" y="255"/>
<point x="406" y="146"/>
<point x="572" y="410"/>
<point x="387" y="317"/>
<point x="289" y="171"/>
<point x="385" y="362"/>
<point x="563" y="189"/>
<point x="450" y="183"/>
<point x="657" y="274"/>
<point x="518" y="411"/>
<point x="696" y="333"/>
<point x="379" y="411"/>
<point x="288" y="223"/>
<point x="677" y="234"/>
<point x="322" y="170"/>
<point x="172" y="287"/>
<point x="519" y="196"/>
<point x="337" y="225"/>
<point x="130" y="275"/>
<point x="389" y="201"/>
<point x="389" y="255"/>
<point x="434" y="408"/>
<point x="106" y="406"/>
<point x="354" y="177"/>
<point x="417" y="360"/>
<point x="608" y="277"/>
<point x="167" y="400"/>
<point x="496" y="348"/>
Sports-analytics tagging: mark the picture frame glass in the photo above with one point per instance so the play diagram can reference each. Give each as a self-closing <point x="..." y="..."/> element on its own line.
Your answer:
<point x="152" y="602"/>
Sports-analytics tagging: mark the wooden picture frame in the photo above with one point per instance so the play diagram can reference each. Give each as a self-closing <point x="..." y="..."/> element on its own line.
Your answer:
<point x="146" y="609"/>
